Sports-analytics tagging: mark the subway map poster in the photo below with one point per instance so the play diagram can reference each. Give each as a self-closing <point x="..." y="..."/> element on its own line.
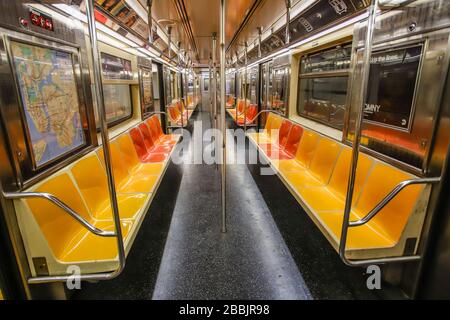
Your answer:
<point x="50" y="100"/>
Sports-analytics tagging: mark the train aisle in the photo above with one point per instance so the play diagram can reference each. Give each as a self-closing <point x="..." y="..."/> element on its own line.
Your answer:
<point x="250" y="261"/>
<point x="267" y="253"/>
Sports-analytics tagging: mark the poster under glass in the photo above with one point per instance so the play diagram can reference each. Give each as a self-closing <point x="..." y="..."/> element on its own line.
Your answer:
<point x="51" y="107"/>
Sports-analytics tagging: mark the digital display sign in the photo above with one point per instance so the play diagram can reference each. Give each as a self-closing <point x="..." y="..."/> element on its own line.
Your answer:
<point x="41" y="20"/>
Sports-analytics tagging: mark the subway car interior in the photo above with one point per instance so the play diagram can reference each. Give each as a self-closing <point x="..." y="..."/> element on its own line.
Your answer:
<point x="224" y="150"/>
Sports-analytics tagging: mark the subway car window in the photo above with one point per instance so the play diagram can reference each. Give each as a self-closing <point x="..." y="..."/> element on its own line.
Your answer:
<point x="118" y="105"/>
<point x="147" y="91"/>
<point x="253" y="82"/>
<point x="323" y="81"/>
<point x="280" y="87"/>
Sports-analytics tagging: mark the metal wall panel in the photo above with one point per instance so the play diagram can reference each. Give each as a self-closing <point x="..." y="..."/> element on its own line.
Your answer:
<point x="409" y="147"/>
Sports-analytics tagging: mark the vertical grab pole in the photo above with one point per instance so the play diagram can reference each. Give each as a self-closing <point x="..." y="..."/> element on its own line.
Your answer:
<point x="104" y="132"/>
<point x="222" y="110"/>
<point x="358" y="126"/>
<point x="288" y="20"/>
<point x="210" y="86"/>
<point x="150" y="21"/>
<point x="214" y="85"/>
<point x="246" y="88"/>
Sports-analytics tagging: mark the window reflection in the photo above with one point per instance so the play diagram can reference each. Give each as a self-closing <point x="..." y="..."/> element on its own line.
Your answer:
<point x="323" y="86"/>
<point x="117" y="103"/>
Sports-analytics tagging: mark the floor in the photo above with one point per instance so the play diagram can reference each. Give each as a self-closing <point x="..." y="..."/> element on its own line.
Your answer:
<point x="267" y="253"/>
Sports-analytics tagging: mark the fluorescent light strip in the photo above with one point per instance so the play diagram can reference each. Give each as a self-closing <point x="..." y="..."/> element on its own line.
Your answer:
<point x="115" y="35"/>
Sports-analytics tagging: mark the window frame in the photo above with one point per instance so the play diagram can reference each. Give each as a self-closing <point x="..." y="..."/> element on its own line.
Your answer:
<point x="111" y="124"/>
<point x="324" y="74"/>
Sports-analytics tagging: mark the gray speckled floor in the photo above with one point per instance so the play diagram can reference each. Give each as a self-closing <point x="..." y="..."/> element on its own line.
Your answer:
<point x="272" y="249"/>
<point x="250" y="261"/>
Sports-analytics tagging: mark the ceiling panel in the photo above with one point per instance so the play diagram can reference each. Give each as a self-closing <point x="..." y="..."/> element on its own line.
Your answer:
<point x="202" y="19"/>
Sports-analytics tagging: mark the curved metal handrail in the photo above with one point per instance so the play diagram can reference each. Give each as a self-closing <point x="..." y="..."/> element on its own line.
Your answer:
<point x="259" y="113"/>
<point x="157" y="112"/>
<point x="391" y="195"/>
<point x="55" y="200"/>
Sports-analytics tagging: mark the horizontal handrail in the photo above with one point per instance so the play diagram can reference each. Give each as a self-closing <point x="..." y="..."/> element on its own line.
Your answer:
<point x="157" y="112"/>
<point x="63" y="206"/>
<point x="399" y="187"/>
<point x="268" y="111"/>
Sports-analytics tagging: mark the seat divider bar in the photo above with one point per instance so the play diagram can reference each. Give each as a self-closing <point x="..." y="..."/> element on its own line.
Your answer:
<point x="391" y="195"/>
<point x="63" y="206"/>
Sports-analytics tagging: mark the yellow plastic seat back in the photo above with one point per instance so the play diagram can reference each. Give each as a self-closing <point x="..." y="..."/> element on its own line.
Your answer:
<point x="128" y="150"/>
<point x="269" y="119"/>
<point x="306" y="147"/>
<point x="324" y="159"/>
<point x="394" y="216"/>
<point x="91" y="179"/>
<point x="274" y="126"/>
<point x="119" y="166"/>
<point x="56" y="224"/>
<point x="340" y="176"/>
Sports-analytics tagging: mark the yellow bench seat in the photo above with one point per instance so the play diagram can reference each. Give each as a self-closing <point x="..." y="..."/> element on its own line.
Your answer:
<point x="68" y="240"/>
<point x="362" y="237"/>
<point x="128" y="181"/>
<point x="86" y="246"/>
<point x="318" y="178"/>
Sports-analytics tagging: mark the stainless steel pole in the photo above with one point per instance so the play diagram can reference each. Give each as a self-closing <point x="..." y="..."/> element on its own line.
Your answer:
<point x="260" y="29"/>
<point x="288" y="20"/>
<point x="357" y="136"/>
<point x="246" y="86"/>
<point x="214" y="85"/>
<point x="150" y="21"/>
<point x="111" y="186"/>
<point x="97" y="69"/>
<point x="222" y="111"/>
<point x="214" y="49"/>
<point x="210" y="92"/>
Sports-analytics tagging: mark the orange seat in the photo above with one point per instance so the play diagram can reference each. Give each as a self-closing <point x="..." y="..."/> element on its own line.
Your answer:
<point x="162" y="138"/>
<point x="141" y="149"/>
<point x="252" y="110"/>
<point x="68" y="240"/>
<point x="91" y="180"/>
<point x="305" y="152"/>
<point x="293" y="140"/>
<point x="135" y="166"/>
<point x="321" y="167"/>
<point x="157" y="137"/>
<point x="150" y="143"/>
<point x="126" y="181"/>
<point x="332" y="197"/>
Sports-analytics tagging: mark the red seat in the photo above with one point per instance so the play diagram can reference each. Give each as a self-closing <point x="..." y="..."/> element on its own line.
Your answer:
<point x="162" y="137"/>
<point x="156" y="133"/>
<point x="150" y="143"/>
<point x="252" y="110"/>
<point x="284" y="132"/>
<point x="288" y="139"/>
<point x="141" y="149"/>
<point x="174" y="115"/>
<point x="293" y="140"/>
